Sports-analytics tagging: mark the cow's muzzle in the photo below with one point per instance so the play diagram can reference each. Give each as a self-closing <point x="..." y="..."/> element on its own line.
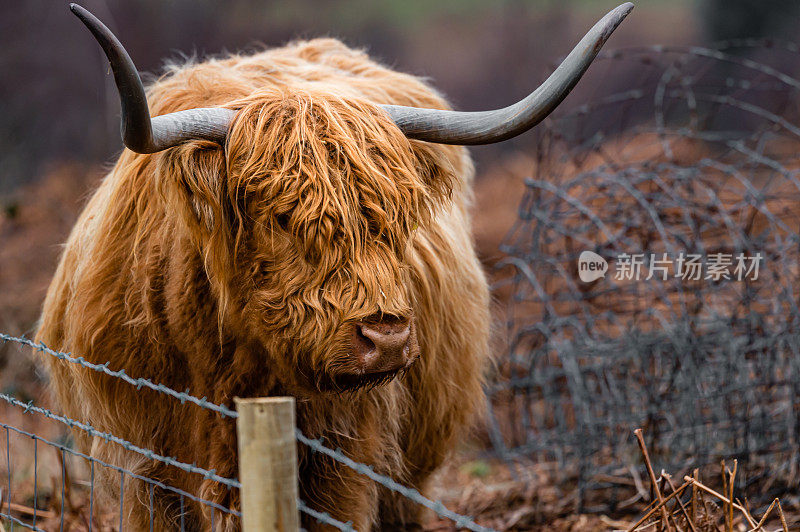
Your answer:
<point x="381" y="347"/>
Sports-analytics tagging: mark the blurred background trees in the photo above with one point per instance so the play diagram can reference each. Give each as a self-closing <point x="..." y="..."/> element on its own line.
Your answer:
<point x="57" y="101"/>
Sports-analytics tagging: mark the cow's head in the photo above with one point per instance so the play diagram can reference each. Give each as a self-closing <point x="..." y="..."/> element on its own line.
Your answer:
<point x="316" y="200"/>
<point x="329" y="194"/>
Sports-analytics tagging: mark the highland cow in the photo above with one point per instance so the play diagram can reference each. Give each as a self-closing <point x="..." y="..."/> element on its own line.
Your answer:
<point x="291" y="222"/>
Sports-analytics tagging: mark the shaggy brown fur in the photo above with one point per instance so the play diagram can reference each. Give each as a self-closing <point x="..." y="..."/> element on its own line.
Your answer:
<point x="235" y="271"/>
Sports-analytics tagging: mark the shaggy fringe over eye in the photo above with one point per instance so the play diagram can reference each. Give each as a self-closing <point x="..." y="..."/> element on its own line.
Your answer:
<point x="325" y="168"/>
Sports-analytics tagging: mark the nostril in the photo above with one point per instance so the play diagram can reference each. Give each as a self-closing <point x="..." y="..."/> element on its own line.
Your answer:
<point x="364" y="348"/>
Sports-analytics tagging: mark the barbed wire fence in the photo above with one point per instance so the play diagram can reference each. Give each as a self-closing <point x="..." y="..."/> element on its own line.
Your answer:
<point x="695" y="152"/>
<point x="316" y="445"/>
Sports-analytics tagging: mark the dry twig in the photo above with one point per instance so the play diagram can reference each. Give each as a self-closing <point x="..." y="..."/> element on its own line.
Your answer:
<point x="653" y="481"/>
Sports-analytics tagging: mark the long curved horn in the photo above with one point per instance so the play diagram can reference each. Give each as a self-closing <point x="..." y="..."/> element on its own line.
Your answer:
<point x="486" y="127"/>
<point x="140" y="133"/>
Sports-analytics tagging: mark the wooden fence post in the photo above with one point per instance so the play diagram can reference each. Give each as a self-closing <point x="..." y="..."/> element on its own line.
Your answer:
<point x="267" y="464"/>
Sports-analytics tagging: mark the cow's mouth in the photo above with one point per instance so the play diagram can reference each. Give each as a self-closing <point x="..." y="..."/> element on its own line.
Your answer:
<point x="344" y="382"/>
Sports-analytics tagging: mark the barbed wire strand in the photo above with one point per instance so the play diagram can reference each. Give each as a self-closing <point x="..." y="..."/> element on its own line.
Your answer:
<point x="183" y="397"/>
<point x="21" y="523"/>
<point x="438" y="507"/>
